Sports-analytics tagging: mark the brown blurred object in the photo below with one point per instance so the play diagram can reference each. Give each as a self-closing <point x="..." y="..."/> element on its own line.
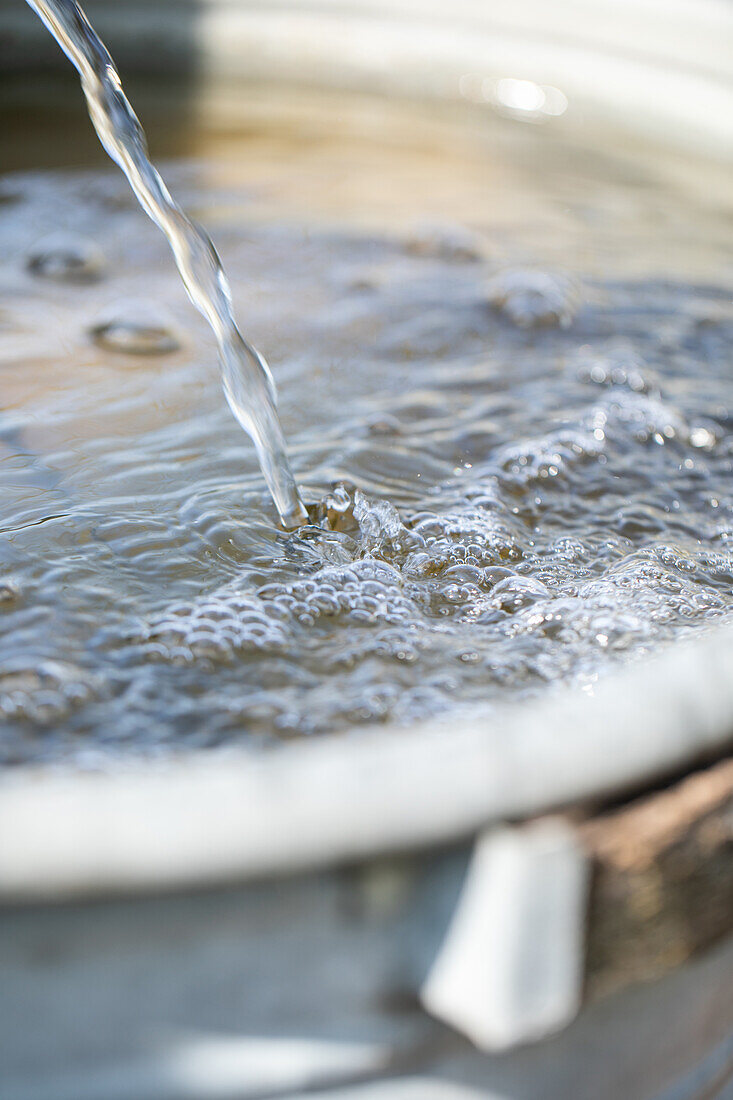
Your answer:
<point x="662" y="881"/>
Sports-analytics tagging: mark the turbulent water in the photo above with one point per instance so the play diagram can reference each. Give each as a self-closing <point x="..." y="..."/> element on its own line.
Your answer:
<point x="514" y="434"/>
<point x="248" y="384"/>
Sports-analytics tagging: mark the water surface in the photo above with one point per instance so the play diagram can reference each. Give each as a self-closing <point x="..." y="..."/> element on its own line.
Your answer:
<point x="512" y="351"/>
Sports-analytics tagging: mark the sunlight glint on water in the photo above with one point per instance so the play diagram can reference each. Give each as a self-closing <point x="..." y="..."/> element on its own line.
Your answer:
<point x="248" y="384"/>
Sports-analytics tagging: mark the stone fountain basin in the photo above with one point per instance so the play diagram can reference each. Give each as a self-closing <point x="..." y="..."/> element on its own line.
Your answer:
<point x="356" y="915"/>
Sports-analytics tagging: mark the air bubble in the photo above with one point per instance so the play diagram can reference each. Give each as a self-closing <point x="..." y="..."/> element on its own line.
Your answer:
<point x="515" y="592"/>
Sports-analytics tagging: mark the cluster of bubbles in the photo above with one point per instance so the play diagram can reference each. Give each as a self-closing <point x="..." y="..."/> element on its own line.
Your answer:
<point x="368" y="591"/>
<point x="427" y="611"/>
<point x="478" y="581"/>
<point x="43" y="692"/>
<point x="626" y="605"/>
<point x="218" y="627"/>
<point x="548" y="456"/>
<point x="619" y="366"/>
<point x="394" y="581"/>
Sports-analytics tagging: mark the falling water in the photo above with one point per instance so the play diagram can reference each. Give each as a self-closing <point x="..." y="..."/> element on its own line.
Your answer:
<point x="248" y="384"/>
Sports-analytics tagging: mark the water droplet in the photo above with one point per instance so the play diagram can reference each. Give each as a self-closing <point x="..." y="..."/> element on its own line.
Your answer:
<point x="9" y="593"/>
<point x="67" y="258"/>
<point x="445" y="242"/>
<point x="617" y="364"/>
<point x="532" y="298"/>
<point x="383" y="424"/>
<point x="136" y="328"/>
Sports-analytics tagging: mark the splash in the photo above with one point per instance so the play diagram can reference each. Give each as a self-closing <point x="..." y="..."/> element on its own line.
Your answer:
<point x="248" y="384"/>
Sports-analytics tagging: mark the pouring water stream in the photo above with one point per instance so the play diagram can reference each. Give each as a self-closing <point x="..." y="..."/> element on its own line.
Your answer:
<point x="246" y="378"/>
